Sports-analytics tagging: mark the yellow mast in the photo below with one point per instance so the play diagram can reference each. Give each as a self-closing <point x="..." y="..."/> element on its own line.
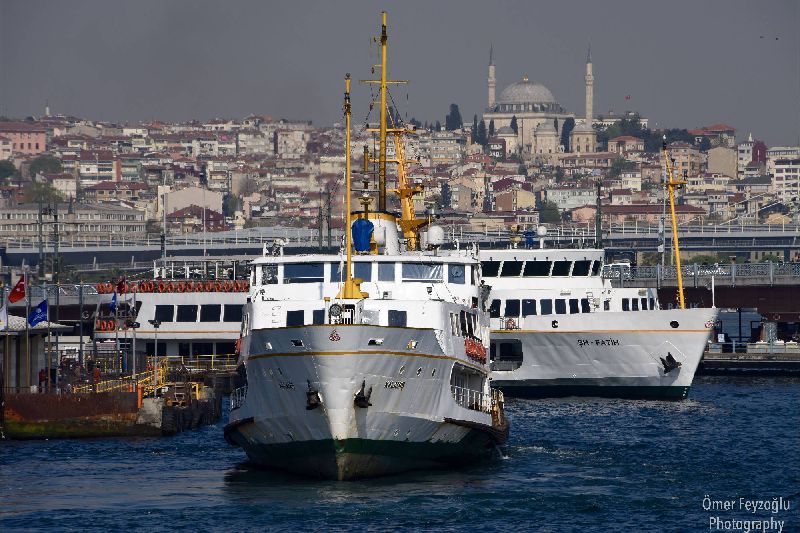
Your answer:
<point x="671" y="184"/>
<point x="408" y="222"/>
<point x="383" y="129"/>
<point x="351" y="288"/>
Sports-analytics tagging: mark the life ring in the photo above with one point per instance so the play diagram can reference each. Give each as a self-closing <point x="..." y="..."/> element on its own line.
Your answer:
<point x="170" y="287"/>
<point x="238" y="345"/>
<point x="228" y="287"/>
<point x="218" y="286"/>
<point x="122" y="287"/>
<point x="246" y="285"/>
<point x="209" y="286"/>
<point x="109" y="288"/>
<point x="237" y="287"/>
<point x="198" y="287"/>
<point x="101" y="288"/>
<point x="180" y="286"/>
<point x="511" y="324"/>
<point x="162" y="287"/>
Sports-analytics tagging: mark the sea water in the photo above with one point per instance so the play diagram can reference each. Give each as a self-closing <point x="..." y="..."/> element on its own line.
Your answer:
<point x="570" y="465"/>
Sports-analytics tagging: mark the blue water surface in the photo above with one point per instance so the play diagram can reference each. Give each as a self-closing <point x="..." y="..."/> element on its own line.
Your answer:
<point x="571" y="465"/>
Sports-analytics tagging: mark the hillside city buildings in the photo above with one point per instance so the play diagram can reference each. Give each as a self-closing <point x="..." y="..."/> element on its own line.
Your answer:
<point x="538" y="162"/>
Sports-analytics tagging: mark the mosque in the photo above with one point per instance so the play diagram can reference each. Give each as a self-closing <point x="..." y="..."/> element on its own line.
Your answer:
<point x="540" y="118"/>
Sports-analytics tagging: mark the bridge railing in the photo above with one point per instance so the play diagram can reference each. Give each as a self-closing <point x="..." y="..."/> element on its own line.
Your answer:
<point x="767" y="272"/>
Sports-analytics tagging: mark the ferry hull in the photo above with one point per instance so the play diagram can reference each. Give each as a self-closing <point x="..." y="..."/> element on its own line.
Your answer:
<point x="606" y="354"/>
<point x="412" y="422"/>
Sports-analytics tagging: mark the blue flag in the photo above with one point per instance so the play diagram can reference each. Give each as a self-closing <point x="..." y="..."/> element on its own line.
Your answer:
<point x="113" y="304"/>
<point x="38" y="314"/>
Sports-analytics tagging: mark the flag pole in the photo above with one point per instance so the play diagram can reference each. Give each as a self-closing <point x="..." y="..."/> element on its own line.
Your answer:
<point x="25" y="280"/>
<point x="49" y="340"/>
<point x="6" y="356"/>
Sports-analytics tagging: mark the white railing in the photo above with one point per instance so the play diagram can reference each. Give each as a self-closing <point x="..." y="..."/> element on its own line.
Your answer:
<point x="237" y="397"/>
<point x="471" y="399"/>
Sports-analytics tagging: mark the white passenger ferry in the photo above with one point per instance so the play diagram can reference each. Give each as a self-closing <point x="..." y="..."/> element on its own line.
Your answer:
<point x="560" y="329"/>
<point x="372" y="361"/>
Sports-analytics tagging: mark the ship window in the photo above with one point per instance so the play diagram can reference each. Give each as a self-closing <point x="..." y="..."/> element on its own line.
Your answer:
<point x="490" y="269"/>
<point x="385" y="271"/>
<point x="596" y="267"/>
<point x="607" y="305"/>
<point x="626" y="304"/>
<point x="494" y="309"/>
<point x="318" y="316"/>
<point x="187" y="313"/>
<point x="528" y="307"/>
<point x="573" y="306"/>
<point x="561" y="307"/>
<point x="509" y="351"/>
<point x="455" y="274"/>
<point x="303" y="272"/>
<point x="454" y="324"/>
<point x="202" y="348"/>
<point x="165" y="313"/>
<point x="398" y="318"/>
<point x="210" y="313"/>
<point x="644" y="304"/>
<point x="422" y="272"/>
<point x="585" y="307"/>
<point x="561" y="268"/>
<point x="546" y="307"/>
<point x="652" y="303"/>
<point x="581" y="268"/>
<point x="232" y="313"/>
<point x="635" y="303"/>
<point x="536" y="268"/>
<point x="226" y="348"/>
<point x="363" y="271"/>
<point x="511" y="269"/>
<point x="162" y="349"/>
<point x="184" y="349"/>
<point x="512" y="308"/>
<point x="295" y="318"/>
<point x="269" y="274"/>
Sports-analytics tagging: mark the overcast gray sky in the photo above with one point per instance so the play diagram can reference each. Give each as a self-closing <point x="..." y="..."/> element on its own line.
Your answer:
<point x="684" y="62"/>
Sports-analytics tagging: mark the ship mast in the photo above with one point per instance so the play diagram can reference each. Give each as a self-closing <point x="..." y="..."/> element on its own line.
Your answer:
<point x="383" y="127"/>
<point x="351" y="288"/>
<point x="671" y="183"/>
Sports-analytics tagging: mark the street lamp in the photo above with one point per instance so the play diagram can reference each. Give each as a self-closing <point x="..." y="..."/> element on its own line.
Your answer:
<point x="155" y="323"/>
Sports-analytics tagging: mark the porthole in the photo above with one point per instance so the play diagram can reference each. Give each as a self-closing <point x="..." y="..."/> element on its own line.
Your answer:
<point x="402" y="369"/>
<point x="674" y="324"/>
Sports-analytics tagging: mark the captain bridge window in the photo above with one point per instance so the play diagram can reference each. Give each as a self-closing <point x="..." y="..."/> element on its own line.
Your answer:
<point x="303" y="272"/>
<point x="210" y="313"/>
<point x="536" y="269"/>
<point x="581" y="268"/>
<point x="494" y="309"/>
<point x="528" y="307"/>
<point x="232" y="313"/>
<point x="165" y="313"/>
<point x="512" y="308"/>
<point x="187" y="313"/>
<point x="490" y="269"/>
<point x="546" y="306"/>
<point x="422" y="272"/>
<point x="269" y="274"/>
<point x="511" y="269"/>
<point x="295" y="318"/>
<point x="561" y="268"/>
<point x="455" y="274"/>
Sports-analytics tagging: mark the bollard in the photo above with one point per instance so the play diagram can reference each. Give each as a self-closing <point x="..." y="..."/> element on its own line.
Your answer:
<point x="139" y="395"/>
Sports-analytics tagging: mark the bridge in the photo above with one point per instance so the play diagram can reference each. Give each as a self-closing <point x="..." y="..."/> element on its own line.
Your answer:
<point x="625" y="239"/>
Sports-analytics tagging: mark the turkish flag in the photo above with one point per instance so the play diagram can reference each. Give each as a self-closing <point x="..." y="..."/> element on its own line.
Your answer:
<point x="18" y="292"/>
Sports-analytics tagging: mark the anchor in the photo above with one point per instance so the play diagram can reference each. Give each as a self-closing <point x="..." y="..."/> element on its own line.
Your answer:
<point x="362" y="398"/>
<point x="312" y="397"/>
<point x="670" y="363"/>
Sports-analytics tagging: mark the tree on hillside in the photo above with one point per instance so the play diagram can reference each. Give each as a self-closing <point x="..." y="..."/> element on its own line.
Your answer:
<point x="453" y="119"/>
<point x="513" y="125"/>
<point x="483" y="139"/>
<point x="474" y="131"/>
<point x="42" y="192"/>
<point x="566" y="129"/>
<point x="7" y="170"/>
<point x="491" y="128"/>
<point x="549" y="212"/>
<point x="438" y="126"/>
<point x="45" y="164"/>
<point x="446" y="196"/>
<point x="620" y="165"/>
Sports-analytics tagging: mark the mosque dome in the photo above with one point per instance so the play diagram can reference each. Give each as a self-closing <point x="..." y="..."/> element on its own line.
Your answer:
<point x="526" y="92"/>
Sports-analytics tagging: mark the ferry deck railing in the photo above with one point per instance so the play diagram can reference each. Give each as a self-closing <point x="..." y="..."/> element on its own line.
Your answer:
<point x="238" y="396"/>
<point x="471" y="399"/>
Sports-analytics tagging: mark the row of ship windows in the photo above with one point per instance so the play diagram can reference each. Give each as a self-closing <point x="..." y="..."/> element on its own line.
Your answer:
<point x="466" y="325"/>
<point x="561" y="306"/>
<point x="378" y="271"/>
<point x="515" y="269"/>
<point x="207" y="313"/>
<point x="298" y="317"/>
<point x="193" y="349"/>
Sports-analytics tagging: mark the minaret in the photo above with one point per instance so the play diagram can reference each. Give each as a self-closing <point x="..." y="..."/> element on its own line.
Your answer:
<point x="491" y="81"/>
<point x="589" y="88"/>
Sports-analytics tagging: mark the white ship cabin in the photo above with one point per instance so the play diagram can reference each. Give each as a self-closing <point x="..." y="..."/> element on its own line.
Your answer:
<point x="197" y="304"/>
<point x="533" y="282"/>
<point x="299" y="291"/>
